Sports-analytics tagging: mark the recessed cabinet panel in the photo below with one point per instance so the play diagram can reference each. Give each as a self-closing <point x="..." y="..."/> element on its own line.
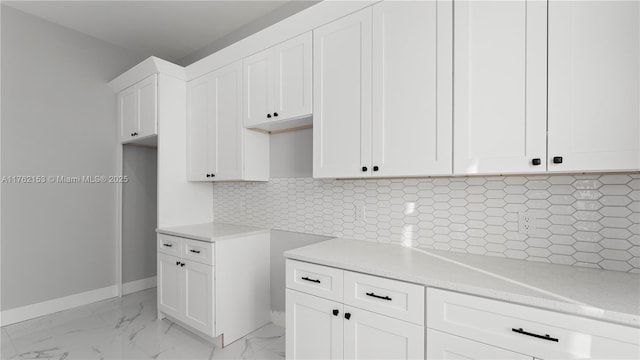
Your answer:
<point x="128" y="107"/>
<point x="594" y="85"/>
<point x="412" y="128"/>
<point x="199" y="296"/>
<point x="442" y="346"/>
<point x="227" y="126"/>
<point x="372" y="336"/>
<point x="200" y="121"/>
<point x="342" y="91"/>
<point x="314" y="327"/>
<point x="258" y="88"/>
<point x="499" y="86"/>
<point x="292" y="72"/>
<point x="148" y="99"/>
<point x="169" y="285"/>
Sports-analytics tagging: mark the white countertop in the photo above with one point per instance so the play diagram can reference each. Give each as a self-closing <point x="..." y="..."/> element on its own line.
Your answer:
<point x="600" y="294"/>
<point x="211" y="231"/>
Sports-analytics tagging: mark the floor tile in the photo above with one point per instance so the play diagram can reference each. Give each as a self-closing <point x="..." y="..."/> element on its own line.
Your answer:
<point x="127" y="328"/>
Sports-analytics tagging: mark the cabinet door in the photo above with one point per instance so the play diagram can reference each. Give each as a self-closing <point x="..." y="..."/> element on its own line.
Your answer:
<point x="258" y="88"/>
<point x="148" y="106"/>
<point x="499" y="86"/>
<point x="313" y="331"/>
<point x="444" y="346"/>
<point x="198" y="290"/>
<point x="170" y="285"/>
<point x="368" y="335"/>
<point x="594" y="85"/>
<point x="226" y="135"/>
<point x="200" y="127"/>
<point x="412" y="55"/>
<point x="342" y="97"/>
<point x="128" y="113"/>
<point x="292" y="78"/>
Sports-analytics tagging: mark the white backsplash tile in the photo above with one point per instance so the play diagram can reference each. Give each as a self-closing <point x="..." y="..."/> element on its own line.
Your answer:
<point x="582" y="220"/>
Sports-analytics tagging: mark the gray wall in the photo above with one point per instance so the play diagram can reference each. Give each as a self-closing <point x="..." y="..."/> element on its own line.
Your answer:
<point x="139" y="212"/>
<point x="292" y="154"/>
<point x="273" y="17"/>
<point x="58" y="118"/>
<point x="282" y="241"/>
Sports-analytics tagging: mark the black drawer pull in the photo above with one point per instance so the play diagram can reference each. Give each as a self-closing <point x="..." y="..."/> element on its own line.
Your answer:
<point x="378" y="296"/>
<point x="312" y="280"/>
<point x="544" y="337"/>
<point x="195" y="251"/>
<point x="167" y="245"/>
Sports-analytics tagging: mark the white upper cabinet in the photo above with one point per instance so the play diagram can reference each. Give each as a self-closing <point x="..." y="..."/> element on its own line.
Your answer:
<point x="138" y="109"/>
<point x="342" y="91"/>
<point x="277" y="83"/>
<point x="594" y="85"/>
<point x="382" y="88"/>
<point x="412" y="54"/>
<point x="218" y="147"/>
<point x="500" y="86"/>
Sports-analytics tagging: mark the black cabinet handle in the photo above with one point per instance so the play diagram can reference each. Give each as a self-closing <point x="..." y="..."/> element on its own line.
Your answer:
<point x="268" y="116"/>
<point x="178" y="263"/>
<point x="536" y="161"/>
<point x="557" y="159"/>
<point x="213" y="175"/>
<point x="312" y="280"/>
<point x="195" y="251"/>
<point x="275" y="114"/>
<point x="544" y="337"/>
<point x="375" y="168"/>
<point x="347" y="316"/>
<point x="182" y="264"/>
<point x="335" y="312"/>
<point x="167" y="245"/>
<point x="364" y="168"/>
<point x="208" y="175"/>
<point x="378" y="296"/>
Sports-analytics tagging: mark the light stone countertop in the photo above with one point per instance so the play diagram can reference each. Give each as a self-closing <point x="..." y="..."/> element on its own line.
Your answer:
<point x="211" y="232"/>
<point x="599" y="294"/>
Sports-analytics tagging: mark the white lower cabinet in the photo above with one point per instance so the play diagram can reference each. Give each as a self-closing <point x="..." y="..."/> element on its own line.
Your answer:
<point x="368" y="335"/>
<point x="185" y="292"/>
<point x="443" y="346"/>
<point x="215" y="288"/>
<point x="321" y="328"/>
<point x="314" y="327"/>
<point x="522" y="329"/>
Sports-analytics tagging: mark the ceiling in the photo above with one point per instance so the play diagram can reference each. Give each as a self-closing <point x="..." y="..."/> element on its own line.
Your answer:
<point x="170" y="30"/>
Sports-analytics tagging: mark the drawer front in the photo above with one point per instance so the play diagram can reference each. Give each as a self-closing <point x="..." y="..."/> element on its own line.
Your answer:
<point x="393" y="298"/>
<point x="169" y="245"/>
<point x="314" y="279"/>
<point x="198" y="251"/>
<point x="527" y="330"/>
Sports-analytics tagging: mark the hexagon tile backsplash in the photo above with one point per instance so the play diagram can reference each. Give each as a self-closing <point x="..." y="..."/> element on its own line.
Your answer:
<point x="582" y="220"/>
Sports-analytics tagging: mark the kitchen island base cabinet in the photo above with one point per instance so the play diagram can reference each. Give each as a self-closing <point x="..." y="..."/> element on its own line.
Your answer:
<point x="443" y="346"/>
<point x="214" y="289"/>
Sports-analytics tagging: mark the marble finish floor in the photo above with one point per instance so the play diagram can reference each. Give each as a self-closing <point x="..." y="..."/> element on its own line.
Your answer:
<point x="126" y="328"/>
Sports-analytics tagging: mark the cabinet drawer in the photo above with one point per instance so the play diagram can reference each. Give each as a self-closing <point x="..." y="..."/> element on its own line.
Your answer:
<point x="169" y="245"/>
<point x="198" y="251"/>
<point x="314" y="279"/>
<point x="393" y="298"/>
<point x="527" y="330"/>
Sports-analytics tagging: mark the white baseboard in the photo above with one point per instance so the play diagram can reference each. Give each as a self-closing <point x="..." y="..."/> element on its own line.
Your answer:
<point x="27" y="312"/>
<point x="139" y="285"/>
<point x="277" y="318"/>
